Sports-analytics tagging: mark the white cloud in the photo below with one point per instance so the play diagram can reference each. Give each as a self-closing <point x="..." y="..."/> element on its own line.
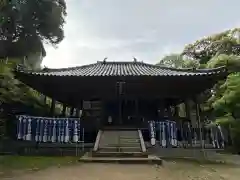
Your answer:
<point x="147" y="29"/>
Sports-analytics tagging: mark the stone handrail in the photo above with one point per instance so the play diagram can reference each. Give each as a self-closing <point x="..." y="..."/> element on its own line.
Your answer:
<point x="97" y="140"/>
<point x="143" y="147"/>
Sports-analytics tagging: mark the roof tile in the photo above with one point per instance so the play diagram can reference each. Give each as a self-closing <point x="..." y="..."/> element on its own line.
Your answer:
<point x="123" y="69"/>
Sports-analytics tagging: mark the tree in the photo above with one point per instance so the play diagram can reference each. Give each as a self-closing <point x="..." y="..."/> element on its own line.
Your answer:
<point x="26" y="24"/>
<point x="222" y="49"/>
<point x="178" y="61"/>
<point x="17" y="98"/>
<point x="226" y="97"/>
<point x="232" y="62"/>
<point x="226" y="42"/>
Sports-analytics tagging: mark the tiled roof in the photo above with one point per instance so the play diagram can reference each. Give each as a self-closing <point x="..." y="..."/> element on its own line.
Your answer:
<point x="124" y="69"/>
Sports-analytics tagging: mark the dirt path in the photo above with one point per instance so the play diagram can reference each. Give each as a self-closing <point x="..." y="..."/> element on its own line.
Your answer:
<point x="170" y="171"/>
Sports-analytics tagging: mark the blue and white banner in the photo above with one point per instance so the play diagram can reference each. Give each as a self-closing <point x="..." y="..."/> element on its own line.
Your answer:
<point x="167" y="132"/>
<point x="152" y="131"/>
<point x="46" y="129"/>
<point x="217" y="136"/>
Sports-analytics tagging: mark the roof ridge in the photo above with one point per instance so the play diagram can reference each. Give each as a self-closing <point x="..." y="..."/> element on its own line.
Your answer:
<point x="66" y="68"/>
<point x="121" y="62"/>
<point x="92" y="64"/>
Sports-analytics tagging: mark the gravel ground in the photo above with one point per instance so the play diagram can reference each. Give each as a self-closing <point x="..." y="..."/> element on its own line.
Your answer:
<point x="169" y="171"/>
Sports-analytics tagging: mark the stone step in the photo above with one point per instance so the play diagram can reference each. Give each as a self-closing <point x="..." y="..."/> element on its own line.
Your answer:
<point x="121" y="145"/>
<point x="116" y="141"/>
<point x="128" y="138"/>
<point x="135" y="134"/>
<point x="129" y="141"/>
<point x="119" y="154"/>
<point x="120" y="149"/>
<point x="129" y="144"/>
<point x="121" y="160"/>
<point x="119" y="139"/>
<point x="132" y="139"/>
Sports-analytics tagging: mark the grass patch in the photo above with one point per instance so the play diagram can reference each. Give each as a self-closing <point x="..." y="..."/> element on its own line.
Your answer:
<point x="11" y="164"/>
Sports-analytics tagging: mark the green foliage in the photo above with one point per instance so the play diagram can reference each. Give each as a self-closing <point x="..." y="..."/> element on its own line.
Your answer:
<point x="225" y="121"/>
<point x="25" y="24"/>
<point x="229" y="122"/>
<point x="228" y="100"/>
<point x="17" y="98"/>
<point x="227" y="93"/>
<point x="222" y="43"/>
<point x="222" y="49"/>
<point x="232" y="62"/>
<point x="178" y="61"/>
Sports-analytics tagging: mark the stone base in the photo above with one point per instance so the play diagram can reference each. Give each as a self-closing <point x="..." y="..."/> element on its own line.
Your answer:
<point x="121" y="160"/>
<point x="120" y="154"/>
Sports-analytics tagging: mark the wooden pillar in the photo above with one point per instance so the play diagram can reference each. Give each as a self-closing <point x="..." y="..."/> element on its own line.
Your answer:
<point x="188" y="116"/>
<point x="161" y="108"/>
<point x="137" y="112"/>
<point x="176" y="111"/>
<point x="120" y="91"/>
<point x="198" y="118"/>
<point x="187" y="109"/>
<point x="120" y="111"/>
<point x="72" y="111"/>
<point x="169" y="112"/>
<point x="53" y="103"/>
<point x="44" y="99"/>
<point x="64" y="110"/>
<point x="80" y="108"/>
<point x="77" y="112"/>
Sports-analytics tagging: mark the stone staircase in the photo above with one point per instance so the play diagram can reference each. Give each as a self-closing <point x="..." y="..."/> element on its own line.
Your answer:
<point x="120" y="143"/>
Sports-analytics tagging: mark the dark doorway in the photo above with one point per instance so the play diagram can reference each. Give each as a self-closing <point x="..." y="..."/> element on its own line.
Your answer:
<point x="111" y="112"/>
<point x="129" y="116"/>
<point x="123" y="112"/>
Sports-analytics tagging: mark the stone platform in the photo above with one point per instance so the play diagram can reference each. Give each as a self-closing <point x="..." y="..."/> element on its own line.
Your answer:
<point x="125" y="146"/>
<point x="87" y="158"/>
<point x="120" y="154"/>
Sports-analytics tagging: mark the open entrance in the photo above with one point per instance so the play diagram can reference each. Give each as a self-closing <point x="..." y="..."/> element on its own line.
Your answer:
<point x="120" y="113"/>
<point x="129" y="114"/>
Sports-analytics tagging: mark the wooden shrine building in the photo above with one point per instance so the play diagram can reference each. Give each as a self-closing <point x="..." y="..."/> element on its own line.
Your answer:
<point x="129" y="92"/>
<point x="121" y="101"/>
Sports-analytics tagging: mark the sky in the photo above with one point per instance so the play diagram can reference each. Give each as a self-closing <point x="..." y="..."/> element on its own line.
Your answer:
<point x="145" y="29"/>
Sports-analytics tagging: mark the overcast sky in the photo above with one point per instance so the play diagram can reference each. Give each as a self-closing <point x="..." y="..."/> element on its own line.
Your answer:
<point x="146" y="29"/>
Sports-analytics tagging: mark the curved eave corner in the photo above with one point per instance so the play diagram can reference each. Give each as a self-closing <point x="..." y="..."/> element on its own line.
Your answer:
<point x="220" y="69"/>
